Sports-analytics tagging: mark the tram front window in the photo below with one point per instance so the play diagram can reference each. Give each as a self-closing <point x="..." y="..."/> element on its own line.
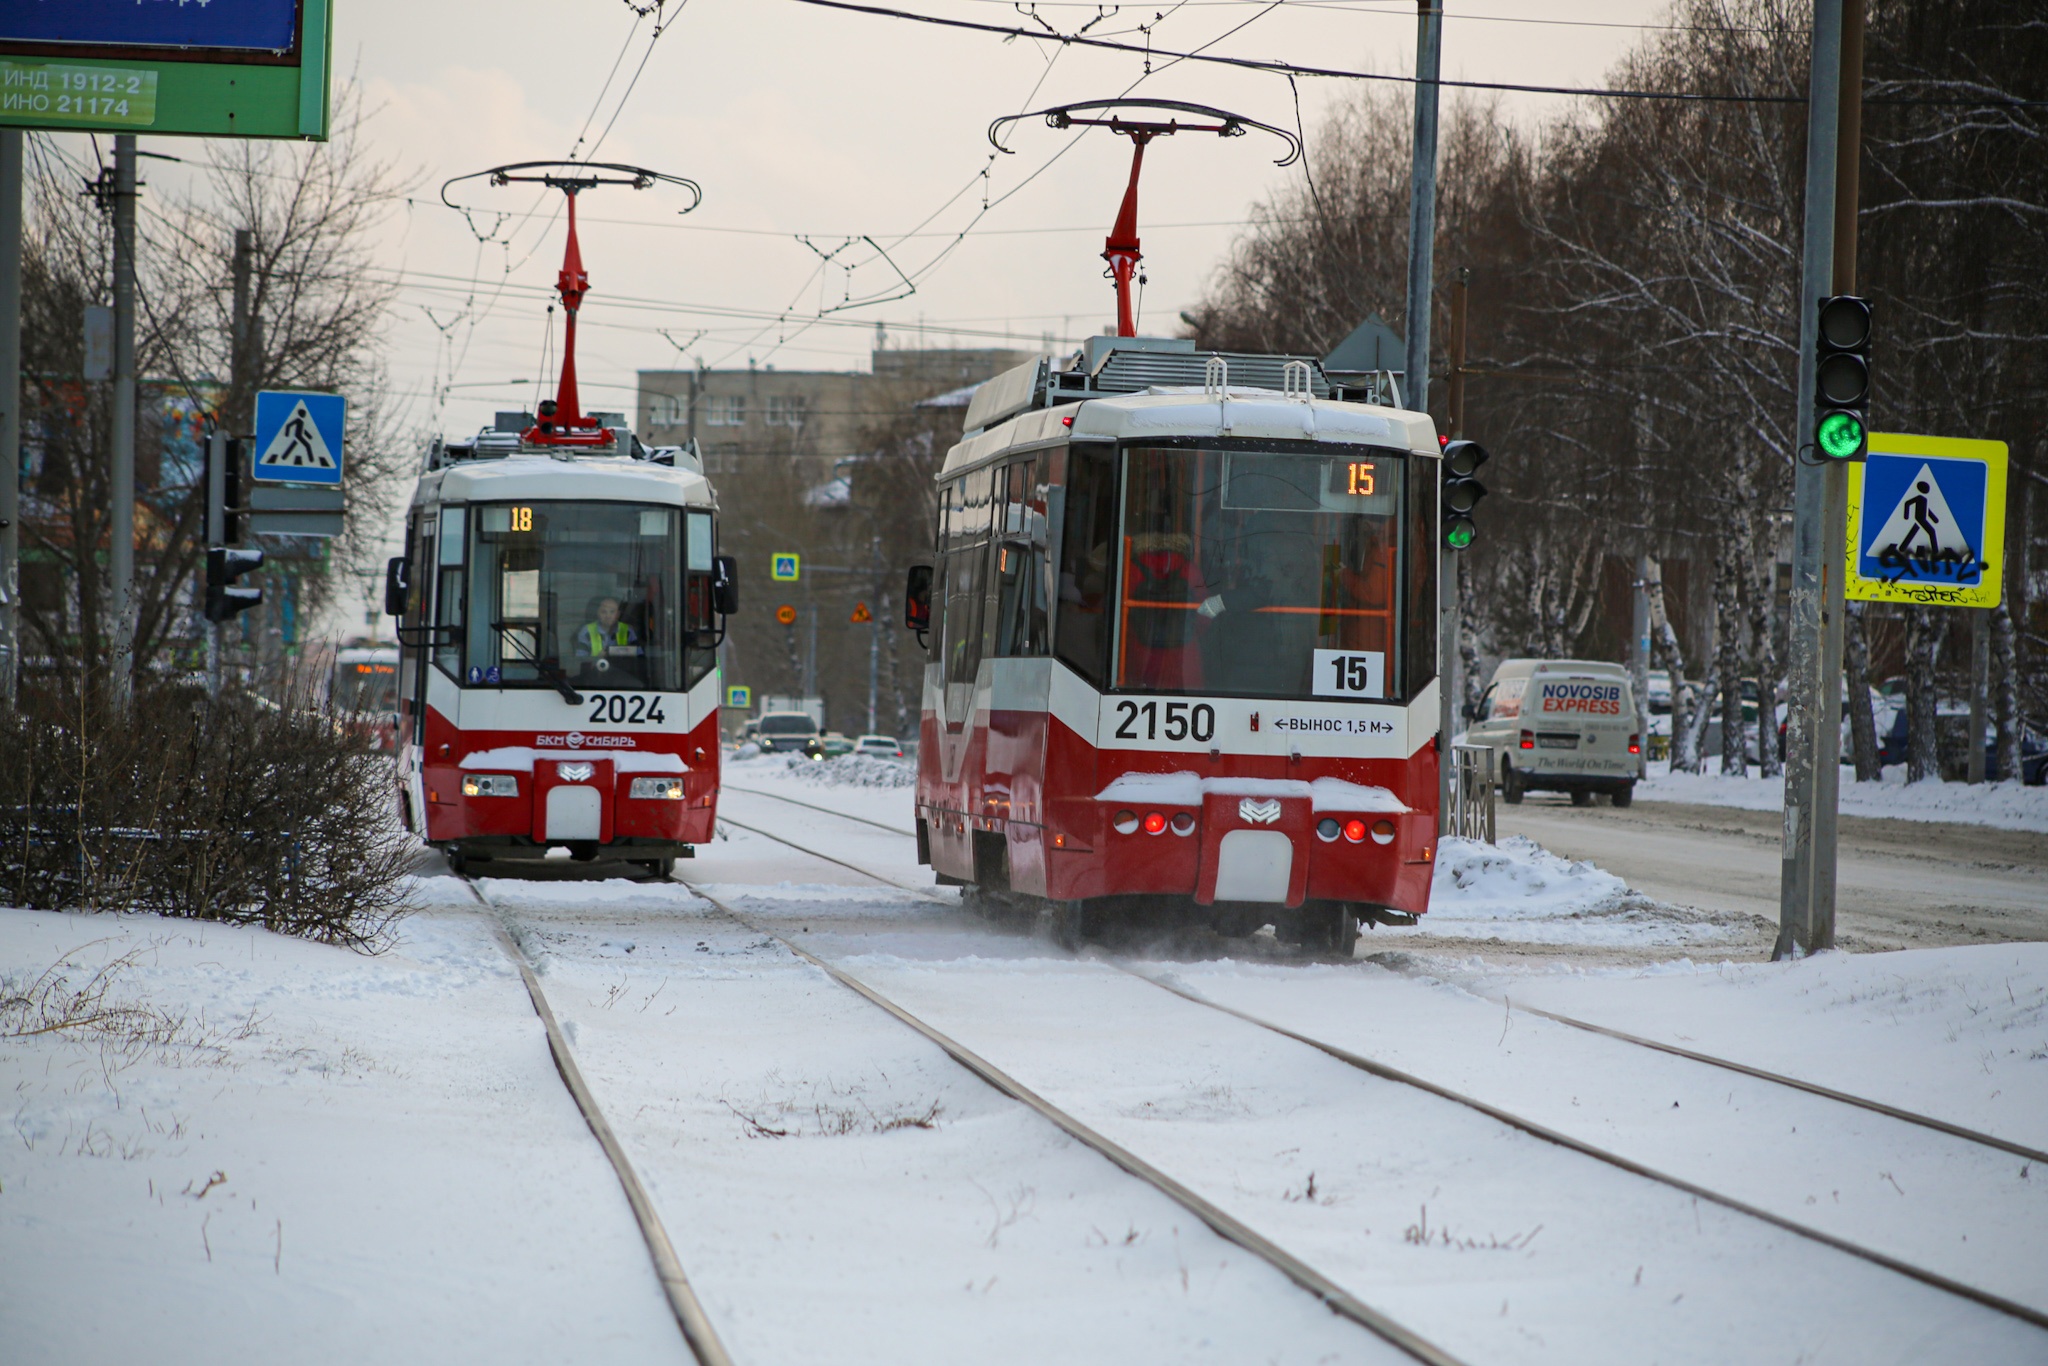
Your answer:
<point x="1267" y="573"/>
<point x="584" y="593"/>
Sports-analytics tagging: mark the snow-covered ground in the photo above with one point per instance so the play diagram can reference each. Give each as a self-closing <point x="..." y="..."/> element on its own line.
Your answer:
<point x="313" y="1155"/>
<point x="2007" y="805"/>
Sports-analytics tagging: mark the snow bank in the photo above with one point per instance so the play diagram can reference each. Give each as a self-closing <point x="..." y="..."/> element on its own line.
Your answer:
<point x="848" y="770"/>
<point x="1520" y="890"/>
<point x="2005" y="806"/>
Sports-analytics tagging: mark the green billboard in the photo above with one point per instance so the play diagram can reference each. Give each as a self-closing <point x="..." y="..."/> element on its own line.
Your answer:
<point x="247" y="69"/>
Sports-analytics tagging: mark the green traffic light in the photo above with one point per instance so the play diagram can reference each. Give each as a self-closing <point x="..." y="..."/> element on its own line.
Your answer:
<point x="1839" y="435"/>
<point x="1458" y="535"/>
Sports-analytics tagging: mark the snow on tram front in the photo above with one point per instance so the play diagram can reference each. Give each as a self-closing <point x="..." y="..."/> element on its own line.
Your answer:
<point x="1182" y="626"/>
<point x="560" y="616"/>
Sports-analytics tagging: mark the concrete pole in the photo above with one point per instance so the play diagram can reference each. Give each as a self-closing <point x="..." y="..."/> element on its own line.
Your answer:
<point x="1639" y="658"/>
<point x="121" y="453"/>
<point x="10" y="411"/>
<point x="216" y="534"/>
<point x="1806" y="921"/>
<point x="1421" y="277"/>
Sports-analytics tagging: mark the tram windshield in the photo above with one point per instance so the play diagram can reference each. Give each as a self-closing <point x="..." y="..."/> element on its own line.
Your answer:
<point x="585" y="593"/>
<point x="1272" y="573"/>
<point x="365" y="685"/>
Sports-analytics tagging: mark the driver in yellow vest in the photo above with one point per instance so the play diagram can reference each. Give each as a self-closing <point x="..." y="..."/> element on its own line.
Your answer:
<point x="600" y="641"/>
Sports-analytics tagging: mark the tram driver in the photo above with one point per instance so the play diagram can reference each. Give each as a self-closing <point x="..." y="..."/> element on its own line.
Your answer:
<point x="607" y="640"/>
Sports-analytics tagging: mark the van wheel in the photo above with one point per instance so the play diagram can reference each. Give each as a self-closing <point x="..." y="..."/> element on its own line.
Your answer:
<point x="1511" y="788"/>
<point x="1581" y="797"/>
<point x="1624" y="794"/>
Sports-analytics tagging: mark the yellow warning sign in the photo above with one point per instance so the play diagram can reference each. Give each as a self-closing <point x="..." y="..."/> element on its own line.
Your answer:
<point x="1927" y="522"/>
<point x="861" y="615"/>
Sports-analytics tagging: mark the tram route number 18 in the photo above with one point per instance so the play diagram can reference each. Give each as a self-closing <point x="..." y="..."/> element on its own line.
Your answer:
<point x="627" y="708"/>
<point x="1183" y="721"/>
<point x="1350" y="673"/>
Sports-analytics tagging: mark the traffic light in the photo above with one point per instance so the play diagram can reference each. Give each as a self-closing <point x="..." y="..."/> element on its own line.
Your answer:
<point x="1461" y="491"/>
<point x="1841" y="379"/>
<point x="223" y="597"/>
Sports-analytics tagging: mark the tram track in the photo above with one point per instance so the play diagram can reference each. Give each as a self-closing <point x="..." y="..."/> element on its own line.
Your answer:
<point x="1534" y="1128"/>
<point x="696" y="1327"/>
<point x="813" y="806"/>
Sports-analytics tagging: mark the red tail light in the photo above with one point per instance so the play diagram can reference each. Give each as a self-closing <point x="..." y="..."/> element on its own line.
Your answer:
<point x="1528" y="739"/>
<point x="1154" y="822"/>
<point x="1354" y="830"/>
<point x="1635" y="744"/>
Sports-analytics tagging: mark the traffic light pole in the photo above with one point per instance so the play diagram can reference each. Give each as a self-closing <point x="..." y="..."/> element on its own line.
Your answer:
<point x="216" y="534"/>
<point x="121" y="453"/>
<point x="1806" y="897"/>
<point x="10" y="411"/>
<point x="1421" y="277"/>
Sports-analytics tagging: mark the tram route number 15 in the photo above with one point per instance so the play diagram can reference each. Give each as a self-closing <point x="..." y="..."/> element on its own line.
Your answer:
<point x="1350" y="673"/>
<point x="1183" y="721"/>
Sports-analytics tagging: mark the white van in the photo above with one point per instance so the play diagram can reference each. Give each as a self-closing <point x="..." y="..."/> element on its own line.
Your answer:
<point x="1562" y="725"/>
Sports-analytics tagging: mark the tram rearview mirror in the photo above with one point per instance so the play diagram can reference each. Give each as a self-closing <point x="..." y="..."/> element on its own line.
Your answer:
<point x="917" y="598"/>
<point x="396" y="572"/>
<point x="725" y="584"/>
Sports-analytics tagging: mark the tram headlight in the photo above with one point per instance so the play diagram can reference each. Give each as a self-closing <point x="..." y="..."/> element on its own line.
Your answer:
<point x="656" y="789"/>
<point x="489" y="785"/>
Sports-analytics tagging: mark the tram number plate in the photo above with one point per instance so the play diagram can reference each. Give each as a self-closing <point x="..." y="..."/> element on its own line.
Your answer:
<point x="1350" y="673"/>
<point x="626" y="708"/>
<point x="1174" y="721"/>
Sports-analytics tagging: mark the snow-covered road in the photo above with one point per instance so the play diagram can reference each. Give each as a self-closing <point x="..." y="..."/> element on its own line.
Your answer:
<point x="413" y="1183"/>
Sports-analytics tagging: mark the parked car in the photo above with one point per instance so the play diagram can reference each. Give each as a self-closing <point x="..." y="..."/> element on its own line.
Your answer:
<point x="785" y="732"/>
<point x="1952" y="731"/>
<point x="830" y="745"/>
<point x="881" y="746"/>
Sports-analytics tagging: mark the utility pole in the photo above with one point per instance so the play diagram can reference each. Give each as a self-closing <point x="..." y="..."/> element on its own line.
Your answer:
<point x="1421" y="276"/>
<point x="121" y="455"/>
<point x="1834" y="129"/>
<point x="875" y="638"/>
<point x="216" y="535"/>
<point x="10" y="411"/>
<point x="1452" y="563"/>
<point x="1639" y="658"/>
<point x="239" y="416"/>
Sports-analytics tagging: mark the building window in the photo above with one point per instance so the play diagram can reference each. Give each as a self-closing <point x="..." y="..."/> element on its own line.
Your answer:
<point x="668" y="410"/>
<point x="726" y="410"/>
<point x="788" y="410"/>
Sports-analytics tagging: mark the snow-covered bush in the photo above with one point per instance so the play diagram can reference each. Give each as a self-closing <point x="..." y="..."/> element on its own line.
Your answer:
<point x="239" y="808"/>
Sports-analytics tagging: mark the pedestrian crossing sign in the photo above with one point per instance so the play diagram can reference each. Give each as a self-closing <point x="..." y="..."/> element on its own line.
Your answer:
<point x="298" y="437"/>
<point x="1927" y="522"/>
<point x="739" y="696"/>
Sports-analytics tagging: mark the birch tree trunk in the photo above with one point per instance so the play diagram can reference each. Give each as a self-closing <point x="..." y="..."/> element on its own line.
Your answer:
<point x="2006" y="683"/>
<point x="1862" y="724"/>
<point x="1923" y="644"/>
<point x="1728" y="663"/>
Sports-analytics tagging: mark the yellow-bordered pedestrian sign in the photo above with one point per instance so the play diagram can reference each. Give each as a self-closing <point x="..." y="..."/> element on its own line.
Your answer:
<point x="785" y="567"/>
<point x="1927" y="522"/>
<point x="739" y="696"/>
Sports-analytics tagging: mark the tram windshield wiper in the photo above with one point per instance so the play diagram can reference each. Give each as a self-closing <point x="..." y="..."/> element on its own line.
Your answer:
<point x="551" y="673"/>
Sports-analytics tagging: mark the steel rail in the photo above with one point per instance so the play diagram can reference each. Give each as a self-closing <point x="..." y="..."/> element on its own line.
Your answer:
<point x="855" y="867"/>
<point x="1549" y="1135"/>
<point x="1386" y="1072"/>
<point x="777" y="796"/>
<point x="1226" y="1226"/>
<point x="696" y="1327"/>
<point x="1811" y="1088"/>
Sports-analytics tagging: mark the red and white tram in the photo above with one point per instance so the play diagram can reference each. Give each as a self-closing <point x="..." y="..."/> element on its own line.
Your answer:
<point x="561" y="602"/>
<point x="1183" y="650"/>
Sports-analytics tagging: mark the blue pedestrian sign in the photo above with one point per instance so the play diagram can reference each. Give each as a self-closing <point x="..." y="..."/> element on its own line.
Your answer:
<point x="298" y="437"/>
<point x="1927" y="522"/>
<point x="785" y="567"/>
<point x="739" y="696"/>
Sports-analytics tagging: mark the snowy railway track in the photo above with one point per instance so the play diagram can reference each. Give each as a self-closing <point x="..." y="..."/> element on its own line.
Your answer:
<point x="1224" y="1224"/>
<point x="698" y="1333"/>
<point x="1946" y="1284"/>
<point x="813" y="806"/>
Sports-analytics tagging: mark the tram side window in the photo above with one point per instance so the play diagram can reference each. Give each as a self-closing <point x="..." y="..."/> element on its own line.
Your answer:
<point x="448" y="596"/>
<point x="1019" y="628"/>
<point x="1081" y="622"/>
<point x="967" y="535"/>
<point x="1419" y="638"/>
<point x="700" y="616"/>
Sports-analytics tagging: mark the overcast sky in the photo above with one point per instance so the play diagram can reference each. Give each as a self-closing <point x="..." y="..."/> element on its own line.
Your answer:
<point x="799" y="120"/>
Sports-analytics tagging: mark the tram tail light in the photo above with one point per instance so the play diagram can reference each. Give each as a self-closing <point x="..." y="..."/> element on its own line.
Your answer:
<point x="1184" y="823"/>
<point x="1635" y="744"/>
<point x="1155" y="823"/>
<point x="489" y="785"/>
<point x="1528" y="739"/>
<point x="1327" y="829"/>
<point x="1125" y="823"/>
<point x="1354" y="830"/>
<point x="1382" y="832"/>
<point x="656" y="789"/>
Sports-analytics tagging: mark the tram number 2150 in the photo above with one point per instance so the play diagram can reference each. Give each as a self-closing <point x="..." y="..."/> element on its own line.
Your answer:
<point x="627" y="708"/>
<point x="1182" y="721"/>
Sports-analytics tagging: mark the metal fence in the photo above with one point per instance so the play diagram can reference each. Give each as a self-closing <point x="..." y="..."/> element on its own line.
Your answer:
<point x="1472" y="788"/>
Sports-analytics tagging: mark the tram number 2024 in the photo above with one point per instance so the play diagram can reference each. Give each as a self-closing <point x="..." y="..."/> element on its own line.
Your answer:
<point x="626" y="708"/>
<point x="1182" y="721"/>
